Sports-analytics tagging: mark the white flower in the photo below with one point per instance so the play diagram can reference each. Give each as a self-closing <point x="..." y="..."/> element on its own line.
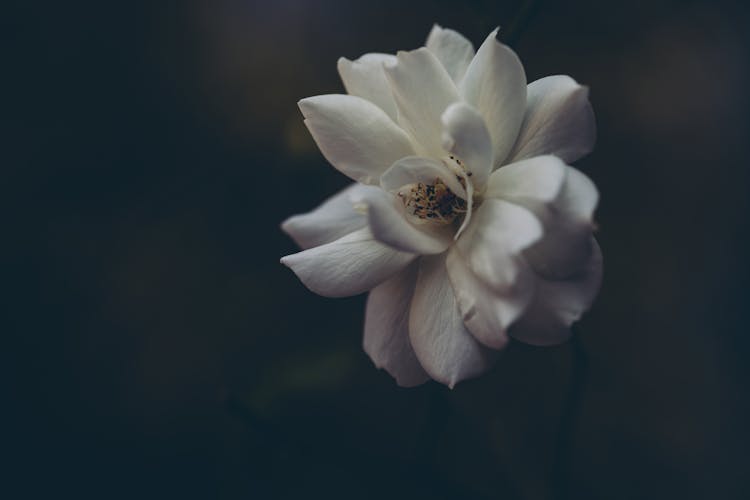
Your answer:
<point x="465" y="223"/>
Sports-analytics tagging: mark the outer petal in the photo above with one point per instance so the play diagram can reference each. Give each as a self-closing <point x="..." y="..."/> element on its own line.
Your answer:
<point x="563" y="199"/>
<point x="348" y="266"/>
<point x="388" y="223"/>
<point x="568" y="224"/>
<point x="386" y="338"/>
<point x="453" y="50"/>
<point x="334" y="218"/>
<point x="365" y="78"/>
<point x="495" y="84"/>
<point x="494" y="241"/>
<point x="558" y="304"/>
<point x="355" y="135"/>
<point x="444" y="347"/>
<point x="415" y="169"/>
<point x="487" y="313"/>
<point x="466" y="136"/>
<point x="559" y="120"/>
<point x="422" y="90"/>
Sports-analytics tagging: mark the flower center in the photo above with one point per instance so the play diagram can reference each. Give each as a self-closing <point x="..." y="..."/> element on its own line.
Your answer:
<point x="432" y="202"/>
<point x="435" y="202"/>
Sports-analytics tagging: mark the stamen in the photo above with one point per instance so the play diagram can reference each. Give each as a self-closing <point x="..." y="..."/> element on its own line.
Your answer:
<point x="360" y="208"/>
<point x="432" y="202"/>
<point x="436" y="203"/>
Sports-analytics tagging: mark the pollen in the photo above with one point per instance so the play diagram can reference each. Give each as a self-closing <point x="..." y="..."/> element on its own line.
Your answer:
<point x="432" y="202"/>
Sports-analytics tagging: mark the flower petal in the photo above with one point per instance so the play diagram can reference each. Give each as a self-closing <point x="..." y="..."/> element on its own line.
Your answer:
<point x="451" y="48"/>
<point x="568" y="224"/>
<point x="334" y="218"/>
<point x="414" y="169"/>
<point x="365" y="78"/>
<point x="469" y="206"/>
<point x="386" y="338"/>
<point x="528" y="182"/>
<point x="356" y="136"/>
<point x="387" y="218"/>
<point x="558" y="304"/>
<point x="495" y="84"/>
<point x="348" y="266"/>
<point x="487" y="313"/>
<point x="444" y="347"/>
<point x="559" y="120"/>
<point x="495" y="239"/>
<point x="466" y="136"/>
<point x="422" y="90"/>
<point x="564" y="201"/>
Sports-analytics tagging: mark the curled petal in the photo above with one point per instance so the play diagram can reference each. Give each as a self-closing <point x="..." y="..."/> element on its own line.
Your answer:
<point x="495" y="84"/>
<point x="559" y="120"/>
<point x="414" y="169"/>
<point x="422" y="90"/>
<point x="334" y="218"/>
<point x="356" y="136"/>
<point x="348" y="266"/>
<point x="387" y="218"/>
<point x="466" y="136"/>
<point x="365" y="78"/>
<point x="469" y="206"/>
<point x="563" y="199"/>
<point x="497" y="236"/>
<point x="568" y="224"/>
<point x="558" y="304"/>
<point x="486" y="312"/>
<point x="386" y="338"/>
<point x="443" y="345"/>
<point x="451" y="48"/>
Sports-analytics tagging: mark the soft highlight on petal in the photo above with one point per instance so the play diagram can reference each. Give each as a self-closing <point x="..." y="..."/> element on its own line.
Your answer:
<point x="386" y="338"/>
<point x="356" y="136"/>
<point x="559" y="120"/>
<point x="495" y="84"/>
<point x="528" y="182"/>
<point x="443" y="345"/>
<point x="451" y="48"/>
<point x="365" y="78"/>
<point x="348" y="266"/>
<point x="334" y="218"/>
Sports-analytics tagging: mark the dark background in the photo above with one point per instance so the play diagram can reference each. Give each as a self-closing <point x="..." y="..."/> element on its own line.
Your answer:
<point x="155" y="347"/>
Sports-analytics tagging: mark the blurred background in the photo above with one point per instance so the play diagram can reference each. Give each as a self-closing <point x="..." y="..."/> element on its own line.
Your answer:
<point x="155" y="348"/>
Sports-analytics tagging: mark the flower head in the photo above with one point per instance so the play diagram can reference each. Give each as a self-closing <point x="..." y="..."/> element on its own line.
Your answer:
<point x="464" y="222"/>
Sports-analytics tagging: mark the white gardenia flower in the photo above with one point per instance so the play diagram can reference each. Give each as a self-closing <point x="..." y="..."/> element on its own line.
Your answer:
<point x="464" y="222"/>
